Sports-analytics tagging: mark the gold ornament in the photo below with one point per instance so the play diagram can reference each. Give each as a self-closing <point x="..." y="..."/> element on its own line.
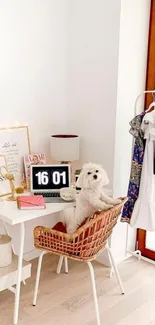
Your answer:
<point x="8" y="176"/>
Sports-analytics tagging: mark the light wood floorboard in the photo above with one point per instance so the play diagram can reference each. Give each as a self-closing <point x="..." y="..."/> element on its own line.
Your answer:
<point x="67" y="299"/>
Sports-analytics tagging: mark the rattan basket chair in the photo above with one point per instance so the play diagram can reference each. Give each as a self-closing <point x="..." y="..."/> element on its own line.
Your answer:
<point x="84" y="245"/>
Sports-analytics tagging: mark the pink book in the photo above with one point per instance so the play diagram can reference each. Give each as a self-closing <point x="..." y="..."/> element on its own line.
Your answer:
<point x="30" y="202"/>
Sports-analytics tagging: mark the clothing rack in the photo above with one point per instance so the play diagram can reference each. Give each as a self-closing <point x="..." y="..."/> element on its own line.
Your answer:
<point x="137" y="253"/>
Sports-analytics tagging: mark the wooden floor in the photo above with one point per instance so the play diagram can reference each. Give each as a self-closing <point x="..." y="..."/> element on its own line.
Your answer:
<point x="67" y="299"/>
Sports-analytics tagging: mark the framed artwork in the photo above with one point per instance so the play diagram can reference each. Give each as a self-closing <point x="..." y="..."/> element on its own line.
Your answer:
<point x="14" y="144"/>
<point x="4" y="184"/>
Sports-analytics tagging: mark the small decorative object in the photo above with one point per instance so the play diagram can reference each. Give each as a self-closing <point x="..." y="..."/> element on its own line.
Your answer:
<point x="68" y="193"/>
<point x="31" y="202"/>
<point x="64" y="148"/>
<point x="9" y="177"/>
<point x="23" y="182"/>
<point x="35" y="159"/>
<point x="19" y="190"/>
<point x="14" y="144"/>
<point x="5" y="251"/>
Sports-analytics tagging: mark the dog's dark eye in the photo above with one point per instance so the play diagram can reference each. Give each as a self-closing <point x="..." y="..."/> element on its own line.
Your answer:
<point x="96" y="171"/>
<point x="89" y="173"/>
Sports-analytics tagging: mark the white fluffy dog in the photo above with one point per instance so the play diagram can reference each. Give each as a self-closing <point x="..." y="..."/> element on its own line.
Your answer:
<point x="91" y="197"/>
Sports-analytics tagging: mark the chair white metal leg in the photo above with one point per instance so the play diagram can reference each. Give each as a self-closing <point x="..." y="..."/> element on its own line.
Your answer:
<point x="59" y="266"/>
<point x="66" y="265"/>
<point x="94" y="292"/>
<point x="38" y="278"/>
<point x="114" y="266"/>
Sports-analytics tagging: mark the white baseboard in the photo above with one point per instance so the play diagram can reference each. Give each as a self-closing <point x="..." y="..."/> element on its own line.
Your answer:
<point x="103" y="259"/>
<point x="32" y="255"/>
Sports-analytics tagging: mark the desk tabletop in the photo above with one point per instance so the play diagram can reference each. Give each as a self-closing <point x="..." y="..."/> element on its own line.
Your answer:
<point x="11" y="214"/>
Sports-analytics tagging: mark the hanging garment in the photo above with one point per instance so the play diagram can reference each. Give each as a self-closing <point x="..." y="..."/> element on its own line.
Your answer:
<point x="136" y="167"/>
<point x="143" y="215"/>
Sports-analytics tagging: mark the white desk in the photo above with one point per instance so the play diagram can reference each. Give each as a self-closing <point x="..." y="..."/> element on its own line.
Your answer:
<point x="10" y="214"/>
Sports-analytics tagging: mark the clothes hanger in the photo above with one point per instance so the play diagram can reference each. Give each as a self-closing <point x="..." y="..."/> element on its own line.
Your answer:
<point x="152" y="104"/>
<point x="143" y="93"/>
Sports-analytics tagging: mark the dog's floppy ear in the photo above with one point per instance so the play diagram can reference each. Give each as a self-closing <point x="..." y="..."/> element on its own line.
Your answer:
<point x="79" y="182"/>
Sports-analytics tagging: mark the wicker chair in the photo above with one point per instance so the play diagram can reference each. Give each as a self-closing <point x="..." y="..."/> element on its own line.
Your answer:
<point x="84" y="245"/>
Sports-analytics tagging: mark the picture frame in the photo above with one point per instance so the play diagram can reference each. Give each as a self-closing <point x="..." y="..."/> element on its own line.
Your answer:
<point x="4" y="184"/>
<point x="14" y="144"/>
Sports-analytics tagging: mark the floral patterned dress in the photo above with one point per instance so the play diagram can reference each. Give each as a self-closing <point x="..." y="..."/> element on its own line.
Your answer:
<point x="136" y="167"/>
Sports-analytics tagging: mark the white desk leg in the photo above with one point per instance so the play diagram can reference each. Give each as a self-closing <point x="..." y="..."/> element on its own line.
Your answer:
<point x="19" y="273"/>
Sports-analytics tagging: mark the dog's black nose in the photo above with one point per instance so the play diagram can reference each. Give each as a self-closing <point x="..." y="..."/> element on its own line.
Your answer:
<point x="95" y="176"/>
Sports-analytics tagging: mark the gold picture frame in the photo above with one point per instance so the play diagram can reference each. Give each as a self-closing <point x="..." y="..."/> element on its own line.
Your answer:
<point x="14" y="144"/>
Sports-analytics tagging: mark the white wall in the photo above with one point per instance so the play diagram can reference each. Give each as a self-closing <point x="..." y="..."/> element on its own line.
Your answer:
<point x="102" y="87"/>
<point x="92" y="79"/>
<point x="134" y="29"/>
<point x="33" y="73"/>
<point x="33" y="66"/>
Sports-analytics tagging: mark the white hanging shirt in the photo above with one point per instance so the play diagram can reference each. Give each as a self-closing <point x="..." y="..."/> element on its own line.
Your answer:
<point x="143" y="215"/>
